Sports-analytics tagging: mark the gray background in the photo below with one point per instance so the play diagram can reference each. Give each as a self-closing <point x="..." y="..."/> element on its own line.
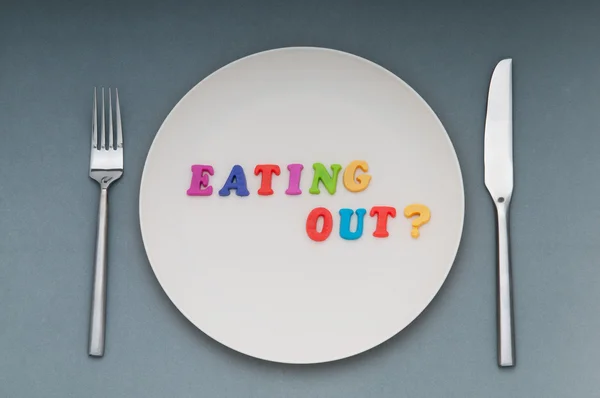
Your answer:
<point x="53" y="52"/>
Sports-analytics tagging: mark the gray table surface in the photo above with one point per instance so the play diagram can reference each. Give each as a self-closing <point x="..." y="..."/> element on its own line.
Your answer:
<point x="53" y="52"/>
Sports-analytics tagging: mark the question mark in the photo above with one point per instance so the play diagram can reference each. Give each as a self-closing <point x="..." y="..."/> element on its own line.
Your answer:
<point x="424" y="215"/>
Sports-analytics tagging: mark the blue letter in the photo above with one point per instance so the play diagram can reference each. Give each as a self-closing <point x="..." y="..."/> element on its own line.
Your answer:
<point x="345" y="217"/>
<point x="237" y="181"/>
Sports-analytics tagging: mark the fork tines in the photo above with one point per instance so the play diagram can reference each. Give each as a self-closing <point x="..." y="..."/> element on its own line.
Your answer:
<point x="102" y="144"/>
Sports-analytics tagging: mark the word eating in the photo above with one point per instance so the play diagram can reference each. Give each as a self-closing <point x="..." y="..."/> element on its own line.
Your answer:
<point x="236" y="181"/>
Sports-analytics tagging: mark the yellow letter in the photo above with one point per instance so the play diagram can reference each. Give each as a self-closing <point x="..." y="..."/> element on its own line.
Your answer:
<point x="363" y="180"/>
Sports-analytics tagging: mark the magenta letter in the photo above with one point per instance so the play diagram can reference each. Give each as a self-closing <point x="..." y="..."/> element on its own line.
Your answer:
<point x="294" y="186"/>
<point x="199" y="185"/>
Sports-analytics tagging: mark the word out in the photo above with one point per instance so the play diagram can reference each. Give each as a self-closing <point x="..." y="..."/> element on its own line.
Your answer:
<point x="237" y="181"/>
<point x="382" y="213"/>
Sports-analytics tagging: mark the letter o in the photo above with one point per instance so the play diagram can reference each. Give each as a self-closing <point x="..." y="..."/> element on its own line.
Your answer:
<point x="311" y="224"/>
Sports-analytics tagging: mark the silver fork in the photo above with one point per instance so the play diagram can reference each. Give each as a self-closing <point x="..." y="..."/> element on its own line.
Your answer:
<point x="106" y="166"/>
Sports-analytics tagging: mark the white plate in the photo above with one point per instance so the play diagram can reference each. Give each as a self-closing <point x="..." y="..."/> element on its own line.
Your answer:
<point x="242" y="268"/>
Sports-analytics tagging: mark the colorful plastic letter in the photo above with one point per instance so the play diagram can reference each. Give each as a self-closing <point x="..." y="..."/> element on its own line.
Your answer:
<point x="345" y="218"/>
<point x="355" y="183"/>
<point x="382" y="213"/>
<point x="321" y="174"/>
<point x="311" y="224"/>
<point x="237" y="181"/>
<point x="423" y="213"/>
<point x="199" y="185"/>
<point x="295" y="170"/>
<point x="267" y="171"/>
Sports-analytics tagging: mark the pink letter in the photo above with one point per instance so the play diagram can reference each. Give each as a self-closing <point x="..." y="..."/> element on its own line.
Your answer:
<point x="199" y="185"/>
<point x="294" y="186"/>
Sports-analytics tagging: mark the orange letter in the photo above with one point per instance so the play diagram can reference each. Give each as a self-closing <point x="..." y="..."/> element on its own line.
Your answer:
<point x="362" y="182"/>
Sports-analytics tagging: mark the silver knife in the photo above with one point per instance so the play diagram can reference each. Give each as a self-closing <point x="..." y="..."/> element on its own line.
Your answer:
<point x="498" y="159"/>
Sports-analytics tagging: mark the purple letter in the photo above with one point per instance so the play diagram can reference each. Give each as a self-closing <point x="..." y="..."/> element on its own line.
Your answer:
<point x="199" y="185"/>
<point x="294" y="186"/>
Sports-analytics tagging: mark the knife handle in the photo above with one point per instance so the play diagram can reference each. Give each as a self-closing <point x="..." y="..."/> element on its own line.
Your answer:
<point x="506" y="345"/>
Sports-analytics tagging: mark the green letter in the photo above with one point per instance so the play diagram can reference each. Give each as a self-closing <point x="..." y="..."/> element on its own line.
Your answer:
<point x="321" y="174"/>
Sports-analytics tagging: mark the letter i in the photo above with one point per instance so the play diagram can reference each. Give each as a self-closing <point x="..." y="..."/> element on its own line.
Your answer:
<point x="295" y="170"/>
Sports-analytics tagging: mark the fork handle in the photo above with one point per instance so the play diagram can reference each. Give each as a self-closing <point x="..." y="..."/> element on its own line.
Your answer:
<point x="98" y="315"/>
<point x="506" y="346"/>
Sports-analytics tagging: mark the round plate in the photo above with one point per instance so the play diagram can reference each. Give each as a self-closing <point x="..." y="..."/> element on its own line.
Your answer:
<point x="243" y="268"/>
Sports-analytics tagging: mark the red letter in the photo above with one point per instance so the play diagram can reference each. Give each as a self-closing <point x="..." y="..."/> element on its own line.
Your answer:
<point x="311" y="224"/>
<point x="267" y="171"/>
<point x="199" y="185"/>
<point x="382" y="216"/>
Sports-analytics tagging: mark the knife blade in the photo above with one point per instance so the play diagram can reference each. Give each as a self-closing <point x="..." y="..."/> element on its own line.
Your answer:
<point x="498" y="161"/>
